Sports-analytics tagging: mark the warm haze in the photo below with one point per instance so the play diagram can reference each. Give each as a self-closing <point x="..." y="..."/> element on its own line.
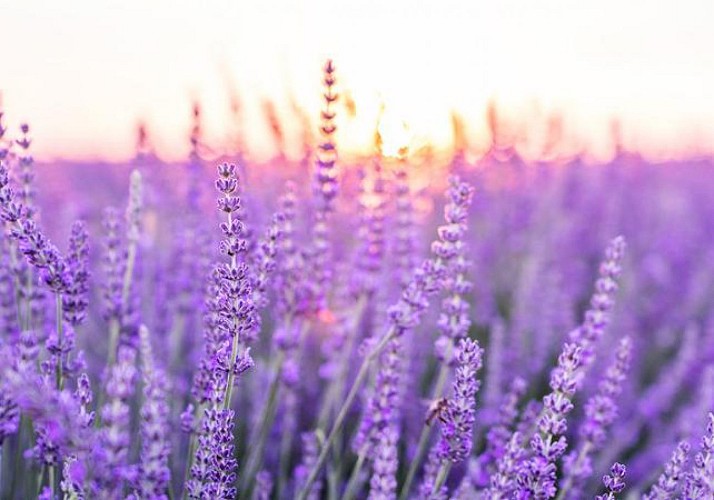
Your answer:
<point x="84" y="73"/>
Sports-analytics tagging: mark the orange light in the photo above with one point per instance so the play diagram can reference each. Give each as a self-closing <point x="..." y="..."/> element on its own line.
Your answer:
<point x="392" y="136"/>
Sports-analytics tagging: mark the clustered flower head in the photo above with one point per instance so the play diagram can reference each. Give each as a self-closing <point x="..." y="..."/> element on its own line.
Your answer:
<point x="460" y="412"/>
<point x="614" y="482"/>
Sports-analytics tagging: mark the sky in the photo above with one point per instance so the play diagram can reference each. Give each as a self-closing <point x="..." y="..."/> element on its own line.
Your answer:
<point x="83" y="73"/>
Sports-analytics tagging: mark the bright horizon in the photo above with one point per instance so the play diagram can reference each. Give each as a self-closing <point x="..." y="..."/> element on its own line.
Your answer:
<point x="84" y="75"/>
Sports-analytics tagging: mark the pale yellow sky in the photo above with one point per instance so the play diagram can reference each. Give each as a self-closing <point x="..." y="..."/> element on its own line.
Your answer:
<point x="82" y="72"/>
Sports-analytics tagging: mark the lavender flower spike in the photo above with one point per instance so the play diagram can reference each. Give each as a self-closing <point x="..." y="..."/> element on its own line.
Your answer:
<point x="113" y="453"/>
<point x="600" y="413"/>
<point x="384" y="415"/>
<point x="700" y="480"/>
<point x="236" y="308"/>
<point x="548" y="444"/>
<point x="459" y="416"/>
<point x="154" y="473"/>
<point x="503" y="481"/>
<point x="597" y="317"/>
<point x="669" y="481"/>
<point x="614" y="482"/>
<point x="325" y="190"/>
<point x="213" y="472"/>
<point x="74" y="300"/>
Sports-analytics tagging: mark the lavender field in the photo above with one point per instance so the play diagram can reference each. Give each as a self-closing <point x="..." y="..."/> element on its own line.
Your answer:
<point x="345" y="328"/>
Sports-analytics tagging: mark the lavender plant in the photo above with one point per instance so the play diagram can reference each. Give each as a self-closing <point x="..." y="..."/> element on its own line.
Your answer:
<point x="333" y="350"/>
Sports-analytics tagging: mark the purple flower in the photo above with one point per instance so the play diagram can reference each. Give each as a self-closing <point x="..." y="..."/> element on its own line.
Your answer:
<point x="32" y="243"/>
<point x="263" y="485"/>
<point x="380" y="425"/>
<point x="153" y="474"/>
<point x="265" y="259"/>
<point x="498" y="436"/>
<point x="597" y="317"/>
<point x="404" y="244"/>
<point x="309" y="458"/>
<point x="614" y="482"/>
<point x="74" y="300"/>
<point x="112" y="454"/>
<point x="537" y="479"/>
<point x="700" y="480"/>
<point x="236" y="310"/>
<point x="113" y="263"/>
<point x="371" y="232"/>
<point x="9" y="415"/>
<point x="8" y="308"/>
<point x="381" y="411"/>
<point x="459" y="416"/>
<point x="431" y="470"/>
<point x="503" y="481"/>
<point x="671" y="478"/>
<point x="600" y="413"/>
<point x="325" y="187"/>
<point x="454" y="319"/>
<point x="428" y="278"/>
<point x="213" y="472"/>
<point x="134" y="207"/>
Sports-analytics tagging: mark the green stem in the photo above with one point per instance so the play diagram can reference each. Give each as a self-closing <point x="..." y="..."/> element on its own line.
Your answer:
<point x="267" y="416"/>
<point x="59" y="375"/>
<point x="342" y="414"/>
<point x="353" y="484"/>
<point x="115" y="323"/>
<point x="16" y="279"/>
<point x="425" y="433"/>
<point x="235" y="343"/>
<point x="40" y="477"/>
<point x="231" y="376"/>
<point x="51" y="479"/>
<point x="441" y="477"/>
<point x="584" y="451"/>
<point x="285" y="445"/>
<point x="113" y="341"/>
<point x="28" y="301"/>
<point x="336" y="385"/>
<point x="191" y="451"/>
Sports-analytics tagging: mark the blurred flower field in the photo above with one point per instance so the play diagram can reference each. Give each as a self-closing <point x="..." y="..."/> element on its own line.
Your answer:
<point x="347" y="328"/>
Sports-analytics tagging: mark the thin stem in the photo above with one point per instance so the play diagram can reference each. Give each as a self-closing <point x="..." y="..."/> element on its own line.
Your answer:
<point x="425" y="433"/>
<point x="60" y="335"/>
<point x="231" y="375"/>
<point x="128" y="273"/>
<point x="584" y="451"/>
<point x="353" y="483"/>
<point x="441" y="477"/>
<point x="18" y="295"/>
<point x="336" y="385"/>
<point x="235" y="341"/>
<point x="113" y="341"/>
<point x="191" y="451"/>
<point x="51" y="479"/>
<point x="285" y="445"/>
<point x="115" y="322"/>
<point x="342" y="414"/>
<point x="40" y="477"/>
<point x="28" y="301"/>
<point x="267" y="416"/>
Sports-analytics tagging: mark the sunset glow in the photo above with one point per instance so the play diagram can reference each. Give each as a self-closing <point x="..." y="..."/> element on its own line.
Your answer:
<point x="84" y="73"/>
